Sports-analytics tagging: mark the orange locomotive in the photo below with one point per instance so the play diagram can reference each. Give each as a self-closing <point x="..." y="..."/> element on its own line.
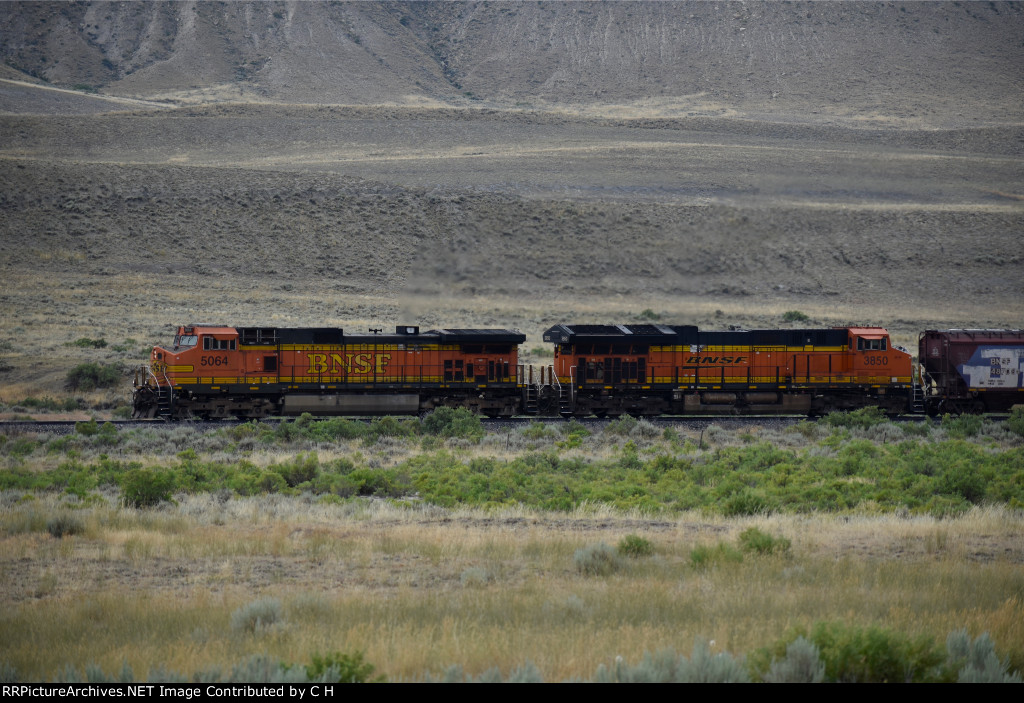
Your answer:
<point x="215" y="371"/>
<point x="662" y="369"/>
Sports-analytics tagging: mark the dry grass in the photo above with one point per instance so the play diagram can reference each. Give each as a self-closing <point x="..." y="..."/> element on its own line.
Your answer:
<point x="159" y="587"/>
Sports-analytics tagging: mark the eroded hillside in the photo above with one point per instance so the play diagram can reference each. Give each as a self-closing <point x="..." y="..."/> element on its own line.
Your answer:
<point x="930" y="63"/>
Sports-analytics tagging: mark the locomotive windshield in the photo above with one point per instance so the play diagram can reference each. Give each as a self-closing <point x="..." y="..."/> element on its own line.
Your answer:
<point x="185" y="341"/>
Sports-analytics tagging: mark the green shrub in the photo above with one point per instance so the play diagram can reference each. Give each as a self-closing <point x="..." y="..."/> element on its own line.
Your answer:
<point x="635" y="546"/>
<point x="962" y="480"/>
<point x="390" y="427"/>
<point x="50" y="404"/>
<point x="922" y="428"/>
<point x="254" y="616"/>
<point x="384" y="483"/>
<point x="649" y="314"/>
<point x="300" y="470"/>
<point x="65" y="524"/>
<point x="1015" y="423"/>
<point x="538" y="430"/>
<point x="306" y="427"/>
<point x="86" y="343"/>
<point x="854" y="654"/>
<point x="454" y="422"/>
<point x="754" y="540"/>
<point x="255" y="481"/>
<point x="703" y="556"/>
<point x="341" y="668"/>
<point x="962" y="426"/>
<point x="862" y="418"/>
<point x="90" y="375"/>
<point x="808" y="430"/>
<point x="794" y="316"/>
<point x="87" y="428"/>
<point x="142" y="488"/>
<point x="745" y="502"/>
<point x="597" y="560"/>
<point x="623" y="426"/>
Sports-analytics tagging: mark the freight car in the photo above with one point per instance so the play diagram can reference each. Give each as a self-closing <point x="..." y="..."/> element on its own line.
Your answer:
<point x="664" y="369"/>
<point x="972" y="371"/>
<point x="212" y="371"/>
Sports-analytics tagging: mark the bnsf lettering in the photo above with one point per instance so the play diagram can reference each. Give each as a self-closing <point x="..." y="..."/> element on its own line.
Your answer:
<point x="716" y="360"/>
<point x="334" y="364"/>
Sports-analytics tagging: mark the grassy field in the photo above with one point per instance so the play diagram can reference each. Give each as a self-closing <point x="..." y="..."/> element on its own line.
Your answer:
<point x="346" y="543"/>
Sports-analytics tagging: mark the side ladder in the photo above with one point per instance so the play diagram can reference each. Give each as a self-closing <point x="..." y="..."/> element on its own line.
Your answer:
<point x="531" y="392"/>
<point x="164" y="396"/>
<point x="164" y="403"/>
<point x="565" y="404"/>
<point x="541" y="388"/>
<point x="917" y="396"/>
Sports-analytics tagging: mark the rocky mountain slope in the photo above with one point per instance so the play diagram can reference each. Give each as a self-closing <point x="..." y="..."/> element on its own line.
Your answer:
<point x="946" y="63"/>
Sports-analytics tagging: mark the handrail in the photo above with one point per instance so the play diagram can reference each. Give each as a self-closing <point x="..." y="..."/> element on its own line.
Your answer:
<point x="553" y="379"/>
<point x="170" y="388"/>
<point x="156" y="381"/>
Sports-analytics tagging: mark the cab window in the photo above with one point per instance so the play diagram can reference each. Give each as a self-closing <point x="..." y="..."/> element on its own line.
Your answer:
<point x="871" y="344"/>
<point x="214" y="344"/>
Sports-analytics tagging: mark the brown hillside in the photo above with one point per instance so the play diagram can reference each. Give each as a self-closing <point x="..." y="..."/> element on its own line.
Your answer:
<point x="945" y="63"/>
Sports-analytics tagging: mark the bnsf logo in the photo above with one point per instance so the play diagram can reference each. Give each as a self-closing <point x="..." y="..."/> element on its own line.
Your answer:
<point x="349" y="363"/>
<point x="716" y="360"/>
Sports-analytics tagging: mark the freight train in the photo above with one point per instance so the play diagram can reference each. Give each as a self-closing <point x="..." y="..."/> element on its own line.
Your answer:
<point x="212" y="371"/>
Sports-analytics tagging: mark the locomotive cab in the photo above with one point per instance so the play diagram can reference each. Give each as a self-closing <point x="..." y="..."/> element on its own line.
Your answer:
<point x="876" y="360"/>
<point x="196" y="346"/>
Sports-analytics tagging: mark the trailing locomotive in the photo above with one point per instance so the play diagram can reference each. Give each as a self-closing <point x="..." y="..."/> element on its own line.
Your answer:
<point x="606" y="370"/>
<point x="665" y="369"/>
<point x="212" y="371"/>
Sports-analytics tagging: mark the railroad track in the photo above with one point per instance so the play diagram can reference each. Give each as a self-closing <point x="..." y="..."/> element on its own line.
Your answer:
<point x="493" y="424"/>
